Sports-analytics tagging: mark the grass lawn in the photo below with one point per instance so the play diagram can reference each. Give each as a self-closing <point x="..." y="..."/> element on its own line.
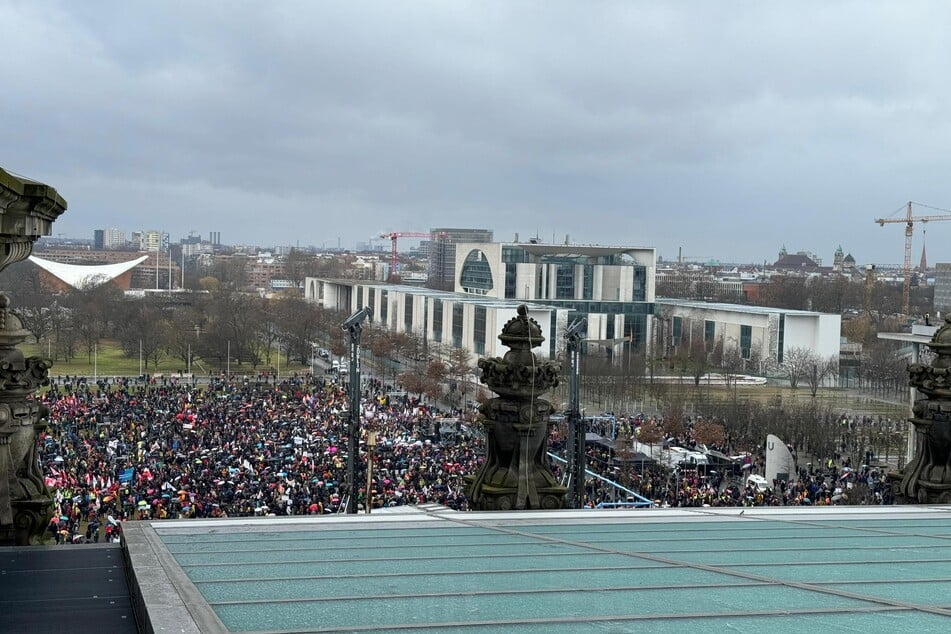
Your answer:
<point x="110" y="361"/>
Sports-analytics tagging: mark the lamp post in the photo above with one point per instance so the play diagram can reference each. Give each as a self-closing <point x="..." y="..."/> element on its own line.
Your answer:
<point x="576" y="430"/>
<point x="354" y="326"/>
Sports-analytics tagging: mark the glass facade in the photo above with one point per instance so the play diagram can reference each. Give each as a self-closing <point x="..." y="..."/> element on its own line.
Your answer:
<point x="384" y="306"/>
<point x="437" y="320"/>
<point x="408" y="313"/>
<point x="746" y="341"/>
<point x="478" y="330"/>
<point x="476" y="275"/>
<point x="709" y="333"/>
<point x="511" y="256"/>
<point x="457" y="309"/>
<point x="782" y="336"/>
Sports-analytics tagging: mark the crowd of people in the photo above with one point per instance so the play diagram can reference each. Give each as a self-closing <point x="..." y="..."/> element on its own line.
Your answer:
<point x="126" y="449"/>
<point x="130" y="449"/>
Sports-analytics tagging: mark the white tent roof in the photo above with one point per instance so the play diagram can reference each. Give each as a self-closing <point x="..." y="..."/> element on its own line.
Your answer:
<point x="79" y="275"/>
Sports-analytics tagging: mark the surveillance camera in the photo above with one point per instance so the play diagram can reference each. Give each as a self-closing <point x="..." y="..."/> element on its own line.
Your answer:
<point x="357" y="318"/>
<point x="575" y="329"/>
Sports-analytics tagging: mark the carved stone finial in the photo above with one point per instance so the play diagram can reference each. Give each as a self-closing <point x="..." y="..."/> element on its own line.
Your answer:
<point x="516" y="473"/>
<point x="927" y="477"/>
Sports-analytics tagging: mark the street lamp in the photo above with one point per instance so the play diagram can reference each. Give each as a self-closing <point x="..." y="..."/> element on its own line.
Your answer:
<point x="576" y="430"/>
<point x="354" y="326"/>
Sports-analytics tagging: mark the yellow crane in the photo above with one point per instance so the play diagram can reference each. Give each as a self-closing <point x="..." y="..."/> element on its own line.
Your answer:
<point x="910" y="221"/>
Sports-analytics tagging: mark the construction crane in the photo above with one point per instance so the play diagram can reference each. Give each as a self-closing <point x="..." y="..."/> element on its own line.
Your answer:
<point x="910" y="221"/>
<point x="395" y="235"/>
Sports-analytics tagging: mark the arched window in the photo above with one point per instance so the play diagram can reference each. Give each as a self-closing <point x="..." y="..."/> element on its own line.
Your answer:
<point x="476" y="276"/>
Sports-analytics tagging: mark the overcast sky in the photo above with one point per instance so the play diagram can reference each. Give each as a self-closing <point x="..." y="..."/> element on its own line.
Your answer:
<point x="726" y="129"/>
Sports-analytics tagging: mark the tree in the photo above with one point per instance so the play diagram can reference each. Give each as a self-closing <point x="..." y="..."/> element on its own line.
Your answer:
<point x="144" y="330"/>
<point x="650" y="432"/>
<point x="298" y="264"/>
<point x="90" y="309"/>
<point x="795" y="364"/>
<point x="697" y="356"/>
<point x="818" y="370"/>
<point x="459" y="368"/>
<point x="709" y="433"/>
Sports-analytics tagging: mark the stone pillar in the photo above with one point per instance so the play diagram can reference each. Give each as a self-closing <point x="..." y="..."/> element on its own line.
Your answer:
<point x="516" y="473"/>
<point x="27" y="211"/>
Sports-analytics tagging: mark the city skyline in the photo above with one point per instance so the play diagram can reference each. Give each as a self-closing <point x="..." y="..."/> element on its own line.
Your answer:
<point x="725" y="130"/>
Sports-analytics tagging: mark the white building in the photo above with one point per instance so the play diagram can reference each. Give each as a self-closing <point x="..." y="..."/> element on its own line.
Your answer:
<point x="758" y="333"/>
<point x="612" y="288"/>
<point x="439" y="317"/>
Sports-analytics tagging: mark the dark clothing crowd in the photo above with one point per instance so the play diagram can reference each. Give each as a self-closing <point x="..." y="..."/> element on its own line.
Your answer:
<point x="130" y="449"/>
<point x="127" y="449"/>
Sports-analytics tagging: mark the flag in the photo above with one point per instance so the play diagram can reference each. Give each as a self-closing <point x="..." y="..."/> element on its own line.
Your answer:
<point x="126" y="475"/>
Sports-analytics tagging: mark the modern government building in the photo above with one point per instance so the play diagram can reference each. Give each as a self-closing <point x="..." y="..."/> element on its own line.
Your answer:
<point x="612" y="288"/>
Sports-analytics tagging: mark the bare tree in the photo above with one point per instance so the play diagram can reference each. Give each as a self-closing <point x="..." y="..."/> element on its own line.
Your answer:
<point x="818" y="370"/>
<point x="796" y="362"/>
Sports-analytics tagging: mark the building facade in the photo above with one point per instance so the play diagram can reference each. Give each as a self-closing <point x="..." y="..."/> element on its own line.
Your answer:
<point x="611" y="287"/>
<point x="761" y="336"/>
<point x="942" y="288"/>
<point x="443" y="319"/>
<point x="442" y="253"/>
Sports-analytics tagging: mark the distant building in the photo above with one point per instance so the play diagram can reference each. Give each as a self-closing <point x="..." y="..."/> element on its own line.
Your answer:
<point x="59" y="276"/>
<point x="942" y="288"/>
<point x="109" y="238"/>
<point x="759" y="334"/>
<point x="157" y="270"/>
<point x="442" y="253"/>
<point x="611" y="287"/>
<point x="153" y="240"/>
<point x="796" y="263"/>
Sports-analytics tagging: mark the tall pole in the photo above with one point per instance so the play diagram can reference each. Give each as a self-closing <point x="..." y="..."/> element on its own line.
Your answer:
<point x="229" y="360"/>
<point x="576" y="430"/>
<point x="354" y="325"/>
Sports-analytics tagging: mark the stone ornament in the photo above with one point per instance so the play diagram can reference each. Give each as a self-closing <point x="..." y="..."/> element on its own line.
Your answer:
<point x="516" y="473"/>
<point x="927" y="477"/>
<point x="27" y="211"/>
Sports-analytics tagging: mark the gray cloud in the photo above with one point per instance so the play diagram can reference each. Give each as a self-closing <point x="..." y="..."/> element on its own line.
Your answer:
<point x="725" y="128"/>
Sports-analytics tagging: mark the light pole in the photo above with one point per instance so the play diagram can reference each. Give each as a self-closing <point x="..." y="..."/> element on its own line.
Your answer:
<point x="576" y="430"/>
<point x="354" y="326"/>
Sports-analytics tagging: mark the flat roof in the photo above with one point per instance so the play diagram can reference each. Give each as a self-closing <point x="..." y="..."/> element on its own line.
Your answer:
<point x="781" y="569"/>
<point x="736" y="308"/>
